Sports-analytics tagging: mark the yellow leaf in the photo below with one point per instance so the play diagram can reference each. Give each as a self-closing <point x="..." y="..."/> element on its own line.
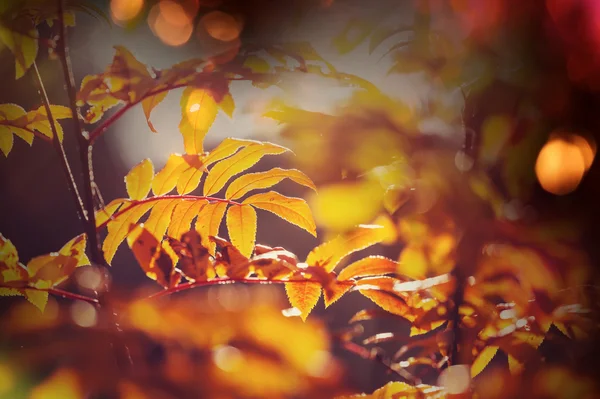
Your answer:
<point x="241" y="225"/>
<point x="104" y="214"/>
<point x="148" y="105"/>
<point x="369" y="266"/>
<point x="226" y="148"/>
<point x="166" y="179"/>
<point x="401" y="390"/>
<point x="8" y="253"/>
<point x="330" y="253"/>
<point x="6" y="140"/>
<point x="483" y="359"/>
<point x="379" y="290"/>
<point x="189" y="177"/>
<point x="257" y="64"/>
<point x="160" y="217"/>
<point x="198" y="112"/>
<point x="515" y="366"/>
<point x="76" y="249"/>
<point x="293" y="210"/>
<point x="209" y="221"/>
<point x="227" y="104"/>
<point x="139" y="180"/>
<point x="254" y="181"/>
<point x="39" y="299"/>
<point x="335" y="291"/>
<point x="49" y="270"/>
<point x="118" y="228"/>
<point x="303" y="296"/>
<point x="220" y="174"/>
<point x="63" y="384"/>
<point x="22" y="41"/>
<point x="183" y="214"/>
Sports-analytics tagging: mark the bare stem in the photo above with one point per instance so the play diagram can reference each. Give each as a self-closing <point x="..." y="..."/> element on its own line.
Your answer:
<point x="85" y="149"/>
<point x="223" y="281"/>
<point x="70" y="295"/>
<point x="59" y="147"/>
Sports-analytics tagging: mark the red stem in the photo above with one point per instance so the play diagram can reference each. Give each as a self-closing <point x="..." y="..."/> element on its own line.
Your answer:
<point x="69" y="295"/>
<point x="160" y="197"/>
<point x="221" y="281"/>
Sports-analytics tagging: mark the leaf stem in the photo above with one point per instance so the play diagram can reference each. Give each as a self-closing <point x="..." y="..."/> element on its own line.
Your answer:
<point x="59" y="147"/>
<point x="70" y="295"/>
<point x="161" y="197"/>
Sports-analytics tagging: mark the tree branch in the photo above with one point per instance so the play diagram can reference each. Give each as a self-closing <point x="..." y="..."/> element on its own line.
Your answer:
<point x="59" y="147"/>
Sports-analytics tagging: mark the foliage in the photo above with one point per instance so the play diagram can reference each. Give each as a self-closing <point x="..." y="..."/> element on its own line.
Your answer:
<point x="470" y="282"/>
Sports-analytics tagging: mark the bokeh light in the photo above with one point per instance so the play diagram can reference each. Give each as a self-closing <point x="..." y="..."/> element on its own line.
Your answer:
<point x="221" y="26"/>
<point x="123" y="11"/>
<point x="84" y="314"/>
<point x="456" y="379"/>
<point x="171" y="23"/>
<point x="563" y="161"/>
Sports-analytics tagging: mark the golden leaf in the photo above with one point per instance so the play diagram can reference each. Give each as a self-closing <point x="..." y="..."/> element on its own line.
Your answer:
<point x="335" y="290"/>
<point x="148" y="105"/>
<point x="190" y="175"/>
<point x="39" y="299"/>
<point x="118" y="228"/>
<point x="220" y="174"/>
<point x="291" y="209"/>
<point x="209" y="221"/>
<point x="195" y="261"/>
<point x="167" y="178"/>
<point x="198" y="112"/>
<point x="105" y="214"/>
<point x="76" y="249"/>
<point x="483" y="359"/>
<point x="160" y="217"/>
<point x="183" y="214"/>
<point x="369" y="266"/>
<point x="241" y="225"/>
<point x="330" y="253"/>
<point x="227" y="148"/>
<point x="227" y="104"/>
<point x="139" y="180"/>
<point x="254" y="181"/>
<point x="303" y="296"/>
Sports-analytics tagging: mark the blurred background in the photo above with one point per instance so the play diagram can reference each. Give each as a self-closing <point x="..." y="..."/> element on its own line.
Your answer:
<point x="538" y="60"/>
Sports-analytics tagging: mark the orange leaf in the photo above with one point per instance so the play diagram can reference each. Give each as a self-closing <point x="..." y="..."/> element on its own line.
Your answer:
<point x="293" y="210"/>
<point x="483" y="359"/>
<point x="195" y="261"/>
<point x="118" y="229"/>
<point x="334" y="291"/>
<point x="253" y="181"/>
<point x="241" y="225"/>
<point x="139" y="180"/>
<point x="198" y="112"/>
<point x="76" y="249"/>
<point x="303" y="296"/>
<point x="220" y="174"/>
<point x="369" y="266"/>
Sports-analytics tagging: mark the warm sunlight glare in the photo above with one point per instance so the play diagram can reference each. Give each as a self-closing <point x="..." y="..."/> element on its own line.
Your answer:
<point x="125" y="10"/>
<point x="221" y="26"/>
<point x="455" y="379"/>
<point x="561" y="164"/>
<point x="170" y="23"/>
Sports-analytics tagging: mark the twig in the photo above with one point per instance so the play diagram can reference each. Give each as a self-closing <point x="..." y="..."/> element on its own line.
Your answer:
<point x="85" y="149"/>
<point x="69" y="295"/>
<point x="58" y="146"/>
<point x="223" y="281"/>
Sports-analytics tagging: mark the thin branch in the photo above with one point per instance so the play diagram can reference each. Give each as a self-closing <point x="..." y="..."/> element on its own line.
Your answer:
<point x="161" y="197"/>
<point x="70" y="295"/>
<point x="223" y="281"/>
<point x="378" y="358"/>
<point x="59" y="147"/>
<point x="85" y="149"/>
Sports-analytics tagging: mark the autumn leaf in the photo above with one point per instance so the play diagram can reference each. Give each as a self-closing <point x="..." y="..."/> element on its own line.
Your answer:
<point x="196" y="263"/>
<point x="330" y="253"/>
<point x="160" y="217"/>
<point x="198" y="112"/>
<point x="139" y="180"/>
<point x="483" y="359"/>
<point x="76" y="248"/>
<point x="303" y="296"/>
<point x="118" y="228"/>
<point x="152" y="257"/>
<point x="227" y="148"/>
<point x="167" y="178"/>
<point x="220" y="174"/>
<point x="335" y="290"/>
<point x="227" y="104"/>
<point x="149" y="103"/>
<point x="208" y="222"/>
<point x="105" y="214"/>
<point x="21" y="38"/>
<point x="241" y="225"/>
<point x="369" y="266"/>
<point x="183" y="214"/>
<point x="293" y="210"/>
<point x="254" y="181"/>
